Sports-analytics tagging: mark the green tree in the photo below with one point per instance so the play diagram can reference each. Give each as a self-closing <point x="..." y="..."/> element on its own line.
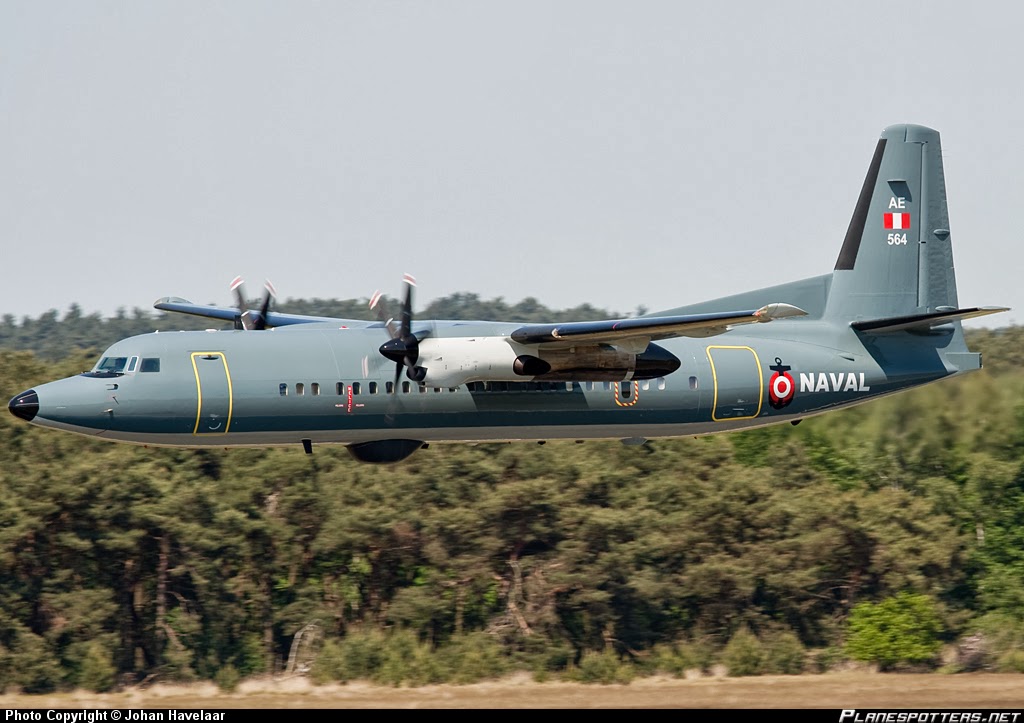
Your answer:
<point x="904" y="628"/>
<point x="744" y="654"/>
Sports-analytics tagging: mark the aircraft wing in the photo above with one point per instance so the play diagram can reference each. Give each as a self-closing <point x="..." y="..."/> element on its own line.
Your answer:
<point x="183" y="306"/>
<point x="647" y="329"/>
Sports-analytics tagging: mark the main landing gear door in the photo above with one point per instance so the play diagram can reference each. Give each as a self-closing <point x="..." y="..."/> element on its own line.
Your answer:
<point x="213" y="389"/>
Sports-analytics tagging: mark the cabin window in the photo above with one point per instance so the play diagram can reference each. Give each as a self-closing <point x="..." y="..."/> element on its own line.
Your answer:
<point x="423" y="388"/>
<point x="645" y="384"/>
<point x="453" y="389"/>
<point x="437" y="390"/>
<point x="389" y="387"/>
<point x="355" y="388"/>
<point x="590" y="386"/>
<point x="625" y="390"/>
<point x="373" y="388"/>
<point x="661" y="383"/>
<point x="314" y="389"/>
<point x="406" y="386"/>
<point x="282" y="389"/>
<point x="150" y="365"/>
<point x="607" y="386"/>
<point x="300" y="389"/>
<point x="693" y="382"/>
<point x="568" y="386"/>
<point x="339" y="388"/>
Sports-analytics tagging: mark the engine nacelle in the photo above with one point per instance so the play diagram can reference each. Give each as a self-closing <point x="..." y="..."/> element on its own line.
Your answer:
<point x="607" y="364"/>
<point x="451" y="362"/>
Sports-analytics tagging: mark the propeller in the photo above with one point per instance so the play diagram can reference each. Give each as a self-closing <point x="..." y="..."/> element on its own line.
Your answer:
<point x="248" y="319"/>
<point x="403" y="347"/>
<point x="377" y="303"/>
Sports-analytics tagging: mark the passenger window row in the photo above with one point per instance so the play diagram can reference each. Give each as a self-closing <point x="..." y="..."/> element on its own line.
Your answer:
<point x="625" y="388"/>
<point x="357" y="388"/>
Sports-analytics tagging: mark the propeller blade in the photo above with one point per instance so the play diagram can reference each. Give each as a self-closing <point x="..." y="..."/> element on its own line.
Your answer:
<point x="410" y="281"/>
<point x="377" y="302"/>
<point x="269" y="292"/>
<point x="244" y="319"/>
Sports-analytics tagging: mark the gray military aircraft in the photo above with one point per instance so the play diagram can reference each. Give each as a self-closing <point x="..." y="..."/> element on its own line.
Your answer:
<point x="886" y="319"/>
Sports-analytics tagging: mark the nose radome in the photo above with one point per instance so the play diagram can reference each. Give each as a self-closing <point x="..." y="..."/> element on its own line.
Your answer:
<point x="25" y="405"/>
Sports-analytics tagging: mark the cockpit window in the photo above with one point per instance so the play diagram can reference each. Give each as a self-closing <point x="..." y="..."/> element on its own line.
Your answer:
<point x="150" y="365"/>
<point x="109" y="366"/>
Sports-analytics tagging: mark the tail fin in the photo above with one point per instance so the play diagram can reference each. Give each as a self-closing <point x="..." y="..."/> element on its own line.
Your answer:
<point x="897" y="258"/>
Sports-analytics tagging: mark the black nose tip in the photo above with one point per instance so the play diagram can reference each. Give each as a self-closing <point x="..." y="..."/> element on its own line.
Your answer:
<point x="25" y="405"/>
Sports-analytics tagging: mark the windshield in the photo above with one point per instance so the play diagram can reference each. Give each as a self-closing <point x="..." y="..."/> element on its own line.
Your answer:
<point x="108" y="366"/>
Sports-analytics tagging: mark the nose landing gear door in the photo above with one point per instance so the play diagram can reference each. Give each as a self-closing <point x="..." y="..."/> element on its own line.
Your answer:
<point x="213" y="389"/>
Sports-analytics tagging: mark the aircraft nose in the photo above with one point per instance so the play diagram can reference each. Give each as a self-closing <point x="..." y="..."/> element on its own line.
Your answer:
<point x="25" y="405"/>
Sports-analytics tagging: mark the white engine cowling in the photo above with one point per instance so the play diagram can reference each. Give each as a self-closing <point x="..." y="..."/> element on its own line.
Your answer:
<point x="451" y="362"/>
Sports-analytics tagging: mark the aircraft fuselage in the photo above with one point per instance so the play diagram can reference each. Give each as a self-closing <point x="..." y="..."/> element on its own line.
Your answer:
<point x="329" y="385"/>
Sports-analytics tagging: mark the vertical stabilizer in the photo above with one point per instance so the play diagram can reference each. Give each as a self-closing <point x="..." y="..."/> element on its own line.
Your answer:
<point x="897" y="258"/>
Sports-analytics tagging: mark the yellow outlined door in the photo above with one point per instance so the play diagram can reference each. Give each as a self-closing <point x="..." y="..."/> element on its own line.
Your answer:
<point x="739" y="383"/>
<point x="213" y="389"/>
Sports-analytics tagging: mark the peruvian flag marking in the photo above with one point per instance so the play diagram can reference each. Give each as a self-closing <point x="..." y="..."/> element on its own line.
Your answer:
<point x="897" y="220"/>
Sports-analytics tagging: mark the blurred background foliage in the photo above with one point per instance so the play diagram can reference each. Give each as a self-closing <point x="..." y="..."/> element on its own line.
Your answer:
<point x="891" y="533"/>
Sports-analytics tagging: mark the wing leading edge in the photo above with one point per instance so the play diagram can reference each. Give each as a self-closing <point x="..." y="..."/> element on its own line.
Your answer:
<point x="183" y="306"/>
<point x="648" y="329"/>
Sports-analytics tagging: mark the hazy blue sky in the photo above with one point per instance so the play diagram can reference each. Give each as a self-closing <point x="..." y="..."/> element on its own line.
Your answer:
<point x="620" y="153"/>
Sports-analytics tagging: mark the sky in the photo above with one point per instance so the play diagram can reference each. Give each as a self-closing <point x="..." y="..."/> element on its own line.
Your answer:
<point x="632" y="154"/>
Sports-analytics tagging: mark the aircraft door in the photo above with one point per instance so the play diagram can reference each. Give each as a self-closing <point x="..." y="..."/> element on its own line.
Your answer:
<point x="213" y="388"/>
<point x="738" y="383"/>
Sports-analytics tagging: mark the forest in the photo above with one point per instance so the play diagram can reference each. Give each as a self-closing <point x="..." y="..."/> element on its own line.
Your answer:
<point x="890" y="534"/>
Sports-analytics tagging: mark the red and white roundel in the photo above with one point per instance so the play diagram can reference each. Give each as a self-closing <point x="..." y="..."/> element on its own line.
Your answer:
<point x="781" y="389"/>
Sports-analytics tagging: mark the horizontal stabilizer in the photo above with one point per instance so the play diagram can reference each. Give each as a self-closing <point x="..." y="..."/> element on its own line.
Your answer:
<point x="649" y="328"/>
<point x="923" y="322"/>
